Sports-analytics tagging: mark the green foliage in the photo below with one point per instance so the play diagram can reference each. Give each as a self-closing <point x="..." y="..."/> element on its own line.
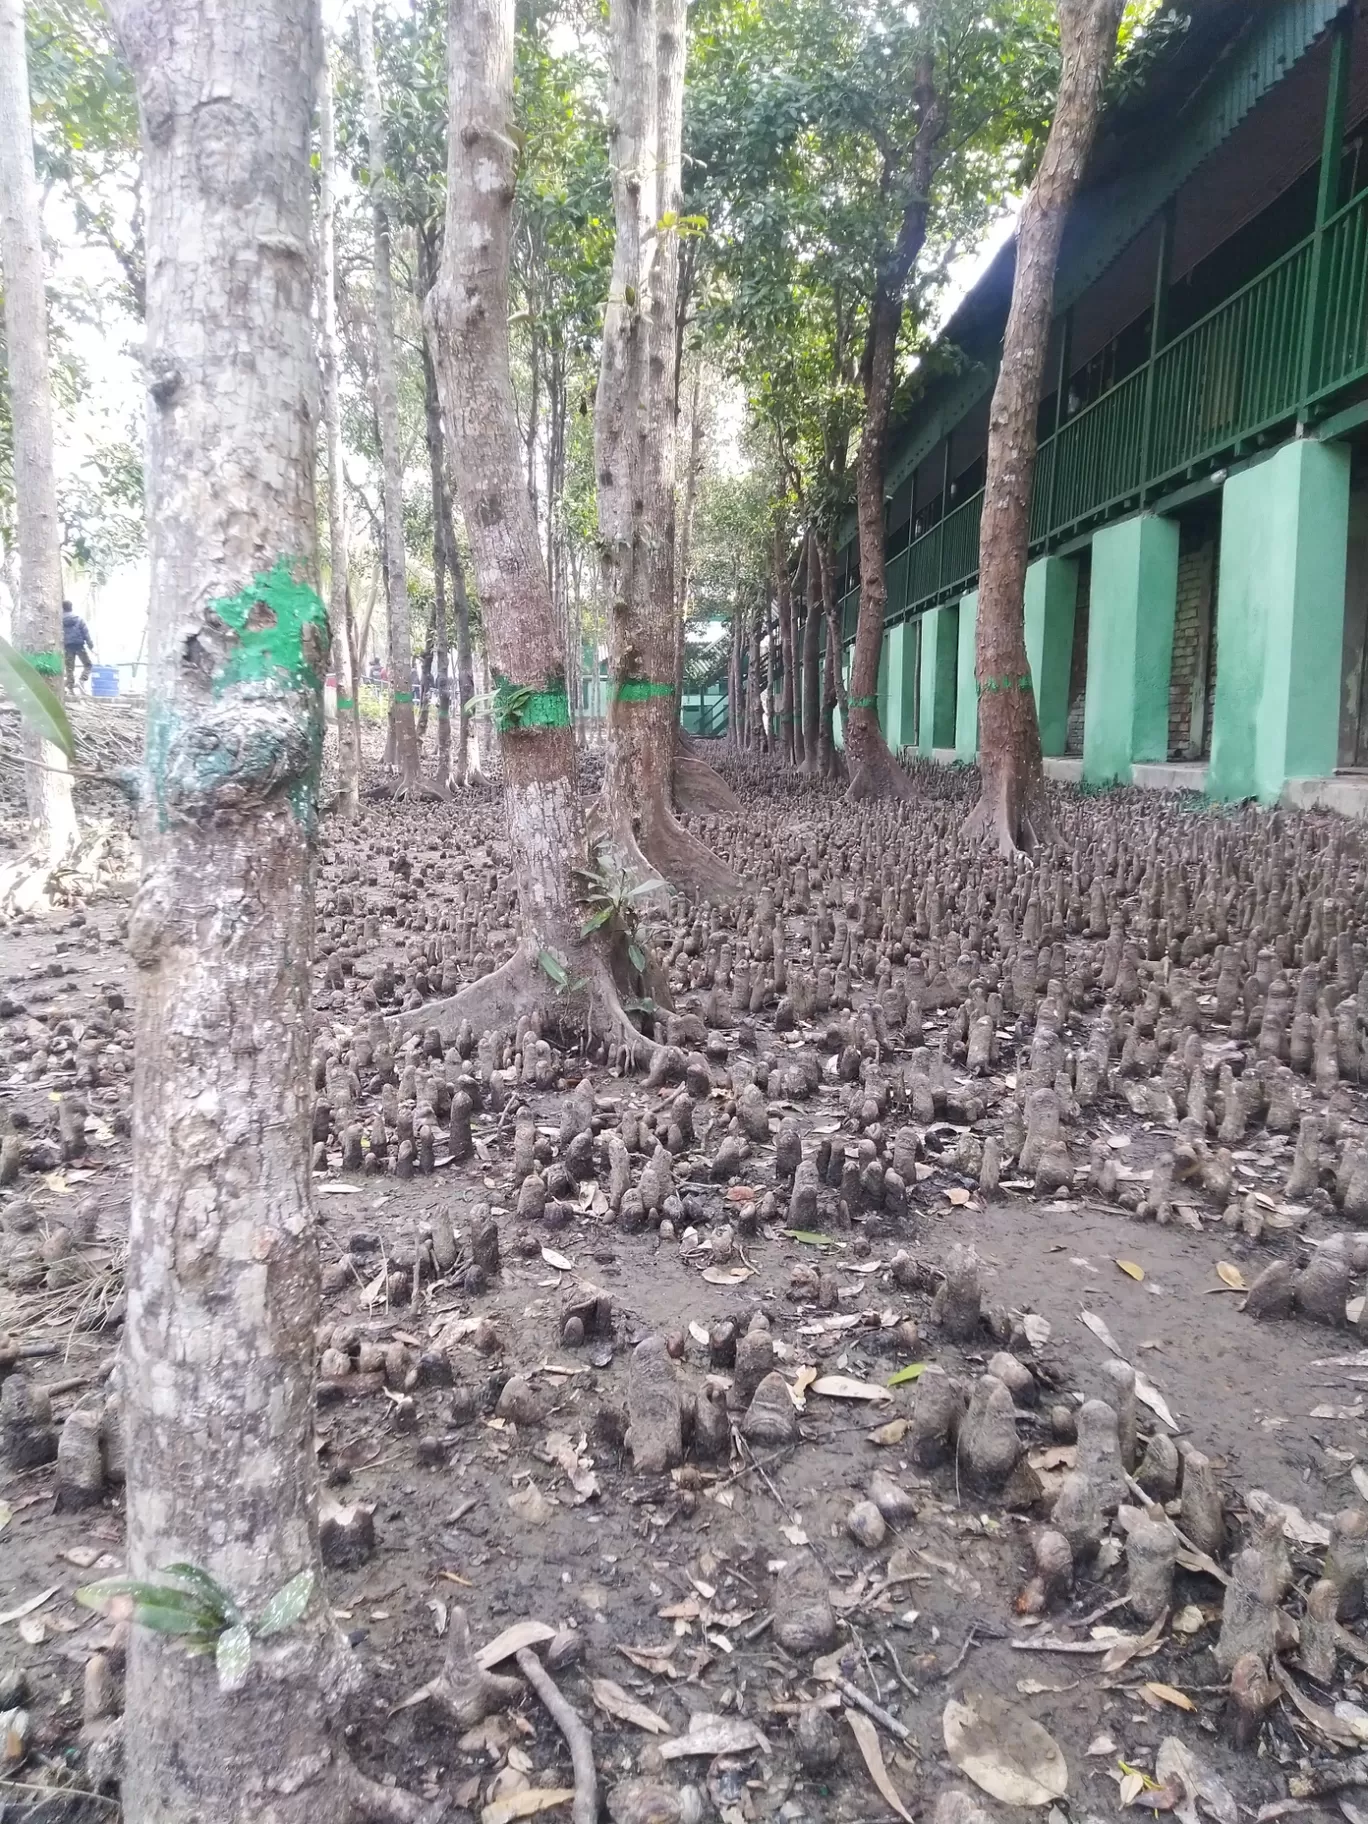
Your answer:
<point x="185" y="1601"/>
<point x="610" y="898"/>
<point x="36" y="700"/>
<point x="85" y="119"/>
<point x="805" y="132"/>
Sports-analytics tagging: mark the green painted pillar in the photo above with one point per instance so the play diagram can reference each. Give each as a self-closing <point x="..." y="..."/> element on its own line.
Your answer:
<point x="1280" y="621"/>
<point x="939" y="655"/>
<point x="1130" y="647"/>
<point x="966" y="688"/>
<point x="1051" y="595"/>
<point x="897" y="686"/>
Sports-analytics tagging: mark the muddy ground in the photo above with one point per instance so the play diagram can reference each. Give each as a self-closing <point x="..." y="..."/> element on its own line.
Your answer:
<point x="673" y="1583"/>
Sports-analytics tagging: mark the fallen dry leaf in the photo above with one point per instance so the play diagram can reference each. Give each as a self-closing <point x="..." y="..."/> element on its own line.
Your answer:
<point x="1231" y="1276"/>
<point x="558" y="1261"/>
<point x="513" y="1640"/>
<point x="712" y="1735"/>
<point x="1004" y="1751"/>
<point x="1131" y="1646"/>
<point x="531" y="1505"/>
<point x="842" y="1387"/>
<point x="726" y="1276"/>
<point x="26" y="1608"/>
<point x="526" y="1804"/>
<point x="892" y="1433"/>
<point x="1132" y="1268"/>
<point x="1101" y="1332"/>
<point x="867" y="1738"/>
<point x="1168" y="1694"/>
<point x="614" y="1701"/>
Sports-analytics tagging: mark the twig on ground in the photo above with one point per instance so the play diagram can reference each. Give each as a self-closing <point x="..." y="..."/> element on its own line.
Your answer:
<point x="585" y="1808"/>
<point x="854" y="1695"/>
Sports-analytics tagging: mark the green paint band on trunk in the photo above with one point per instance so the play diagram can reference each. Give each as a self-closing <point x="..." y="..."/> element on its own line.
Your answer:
<point x="49" y="664"/>
<point x="403" y="696"/>
<point x="864" y="702"/>
<point x="346" y="703"/>
<point x="281" y="627"/>
<point x="1003" y="684"/>
<point x="639" y="690"/>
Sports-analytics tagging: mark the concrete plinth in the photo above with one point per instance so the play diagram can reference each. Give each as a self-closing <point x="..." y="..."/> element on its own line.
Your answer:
<point x="939" y="657"/>
<point x="1130" y="648"/>
<point x="1280" y="621"/>
<point x="1051" y="596"/>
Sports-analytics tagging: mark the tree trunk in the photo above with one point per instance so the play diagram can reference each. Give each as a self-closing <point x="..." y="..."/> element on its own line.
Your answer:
<point x="873" y="770"/>
<point x="38" y="608"/>
<point x="387" y="411"/>
<point x="467" y="313"/>
<point x="344" y="657"/>
<point x="467" y="769"/>
<point x="222" y="1274"/>
<point x="1012" y="806"/>
<point x="812" y="686"/>
<point x="444" y="559"/>
<point x="634" y="448"/>
<point x="787" y="697"/>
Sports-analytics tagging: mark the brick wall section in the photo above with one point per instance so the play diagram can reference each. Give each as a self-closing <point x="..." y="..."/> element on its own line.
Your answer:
<point x="1078" y="663"/>
<point x="1199" y="537"/>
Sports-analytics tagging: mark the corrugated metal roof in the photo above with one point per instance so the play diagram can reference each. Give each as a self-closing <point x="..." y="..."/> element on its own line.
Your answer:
<point x="1274" y="37"/>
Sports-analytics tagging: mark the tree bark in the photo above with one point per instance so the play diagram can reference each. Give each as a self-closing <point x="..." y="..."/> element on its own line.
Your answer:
<point x="38" y="616"/>
<point x="1012" y="806"/>
<point x="873" y="770"/>
<point x="222" y="1274"/>
<point x="387" y="411"/>
<point x="634" y="448"/>
<point x="467" y="316"/>
<point x="344" y="657"/>
<point x="812" y="634"/>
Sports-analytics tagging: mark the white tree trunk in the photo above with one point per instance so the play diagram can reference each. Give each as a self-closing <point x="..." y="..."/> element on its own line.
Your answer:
<point x="634" y="444"/>
<point x="38" y="617"/>
<point x="387" y="411"/>
<point x="344" y="658"/>
<point x="223" y="1281"/>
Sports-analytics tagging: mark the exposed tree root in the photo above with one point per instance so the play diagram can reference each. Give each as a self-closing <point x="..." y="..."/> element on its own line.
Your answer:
<point x="590" y="1007"/>
<point x="463" y="1688"/>
<point x="38" y="879"/>
<point x="366" y="1801"/>
<point x="585" y="1809"/>
<point x="874" y="773"/>
<point x="1012" y="812"/>
<point x="700" y="790"/>
<point x="680" y="858"/>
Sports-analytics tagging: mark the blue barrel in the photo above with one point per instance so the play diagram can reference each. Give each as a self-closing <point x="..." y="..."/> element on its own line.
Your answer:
<point x="104" y="681"/>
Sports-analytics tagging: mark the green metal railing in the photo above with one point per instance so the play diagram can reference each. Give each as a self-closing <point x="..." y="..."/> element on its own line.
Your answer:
<point x="1283" y="345"/>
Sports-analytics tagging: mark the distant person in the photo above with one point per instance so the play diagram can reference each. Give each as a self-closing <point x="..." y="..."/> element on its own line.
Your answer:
<point x="75" y="645"/>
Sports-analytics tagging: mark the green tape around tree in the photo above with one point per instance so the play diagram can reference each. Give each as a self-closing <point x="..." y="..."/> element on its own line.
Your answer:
<point x="403" y="696"/>
<point x="863" y="702"/>
<point x="49" y="664"/>
<point x="640" y="690"/>
<point x="346" y="702"/>
<point x="1003" y="684"/>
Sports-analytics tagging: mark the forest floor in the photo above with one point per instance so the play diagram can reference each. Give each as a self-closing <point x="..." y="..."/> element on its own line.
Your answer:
<point x="525" y="1505"/>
